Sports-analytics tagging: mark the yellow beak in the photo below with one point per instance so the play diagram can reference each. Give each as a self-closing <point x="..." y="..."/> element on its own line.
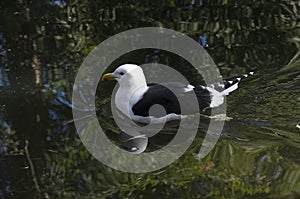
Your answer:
<point x="107" y="76"/>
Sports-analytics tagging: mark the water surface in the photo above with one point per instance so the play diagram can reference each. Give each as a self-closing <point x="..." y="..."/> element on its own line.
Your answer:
<point x="42" y="45"/>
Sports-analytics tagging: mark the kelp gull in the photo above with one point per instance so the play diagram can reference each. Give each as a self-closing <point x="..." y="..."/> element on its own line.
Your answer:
<point x="134" y="97"/>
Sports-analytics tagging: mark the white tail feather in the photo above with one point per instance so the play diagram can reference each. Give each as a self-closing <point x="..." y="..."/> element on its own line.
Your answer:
<point x="230" y="89"/>
<point x="217" y="98"/>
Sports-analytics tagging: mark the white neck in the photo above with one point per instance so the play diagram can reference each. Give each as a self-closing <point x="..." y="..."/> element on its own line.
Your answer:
<point x="127" y="94"/>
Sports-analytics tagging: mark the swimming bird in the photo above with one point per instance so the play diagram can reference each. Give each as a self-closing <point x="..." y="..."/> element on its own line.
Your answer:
<point x="134" y="97"/>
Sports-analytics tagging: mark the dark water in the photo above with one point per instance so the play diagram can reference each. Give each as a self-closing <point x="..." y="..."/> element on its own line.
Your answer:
<point x="42" y="45"/>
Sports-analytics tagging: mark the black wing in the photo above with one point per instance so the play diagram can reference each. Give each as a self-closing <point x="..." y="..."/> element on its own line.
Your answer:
<point x="164" y="95"/>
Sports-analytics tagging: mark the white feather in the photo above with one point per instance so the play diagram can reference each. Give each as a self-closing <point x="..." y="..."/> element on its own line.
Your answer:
<point x="217" y="98"/>
<point x="230" y="89"/>
<point x="189" y="88"/>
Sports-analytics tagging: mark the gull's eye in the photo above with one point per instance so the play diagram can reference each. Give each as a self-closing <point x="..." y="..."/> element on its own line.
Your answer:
<point x="121" y="73"/>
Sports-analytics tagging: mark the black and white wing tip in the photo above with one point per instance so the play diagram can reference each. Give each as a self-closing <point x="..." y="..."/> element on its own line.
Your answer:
<point x="236" y="79"/>
<point x="217" y="91"/>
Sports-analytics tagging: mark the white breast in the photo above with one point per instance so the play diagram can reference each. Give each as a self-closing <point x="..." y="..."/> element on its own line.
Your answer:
<point x="126" y="98"/>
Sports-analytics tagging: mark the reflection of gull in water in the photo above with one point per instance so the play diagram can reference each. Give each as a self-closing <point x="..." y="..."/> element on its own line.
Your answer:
<point x="134" y="144"/>
<point x="133" y="141"/>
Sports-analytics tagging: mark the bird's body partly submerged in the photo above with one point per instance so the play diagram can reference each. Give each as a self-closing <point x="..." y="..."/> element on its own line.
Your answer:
<point x="134" y="98"/>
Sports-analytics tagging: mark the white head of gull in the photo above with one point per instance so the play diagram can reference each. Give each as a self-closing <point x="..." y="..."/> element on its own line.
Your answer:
<point x="132" y="86"/>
